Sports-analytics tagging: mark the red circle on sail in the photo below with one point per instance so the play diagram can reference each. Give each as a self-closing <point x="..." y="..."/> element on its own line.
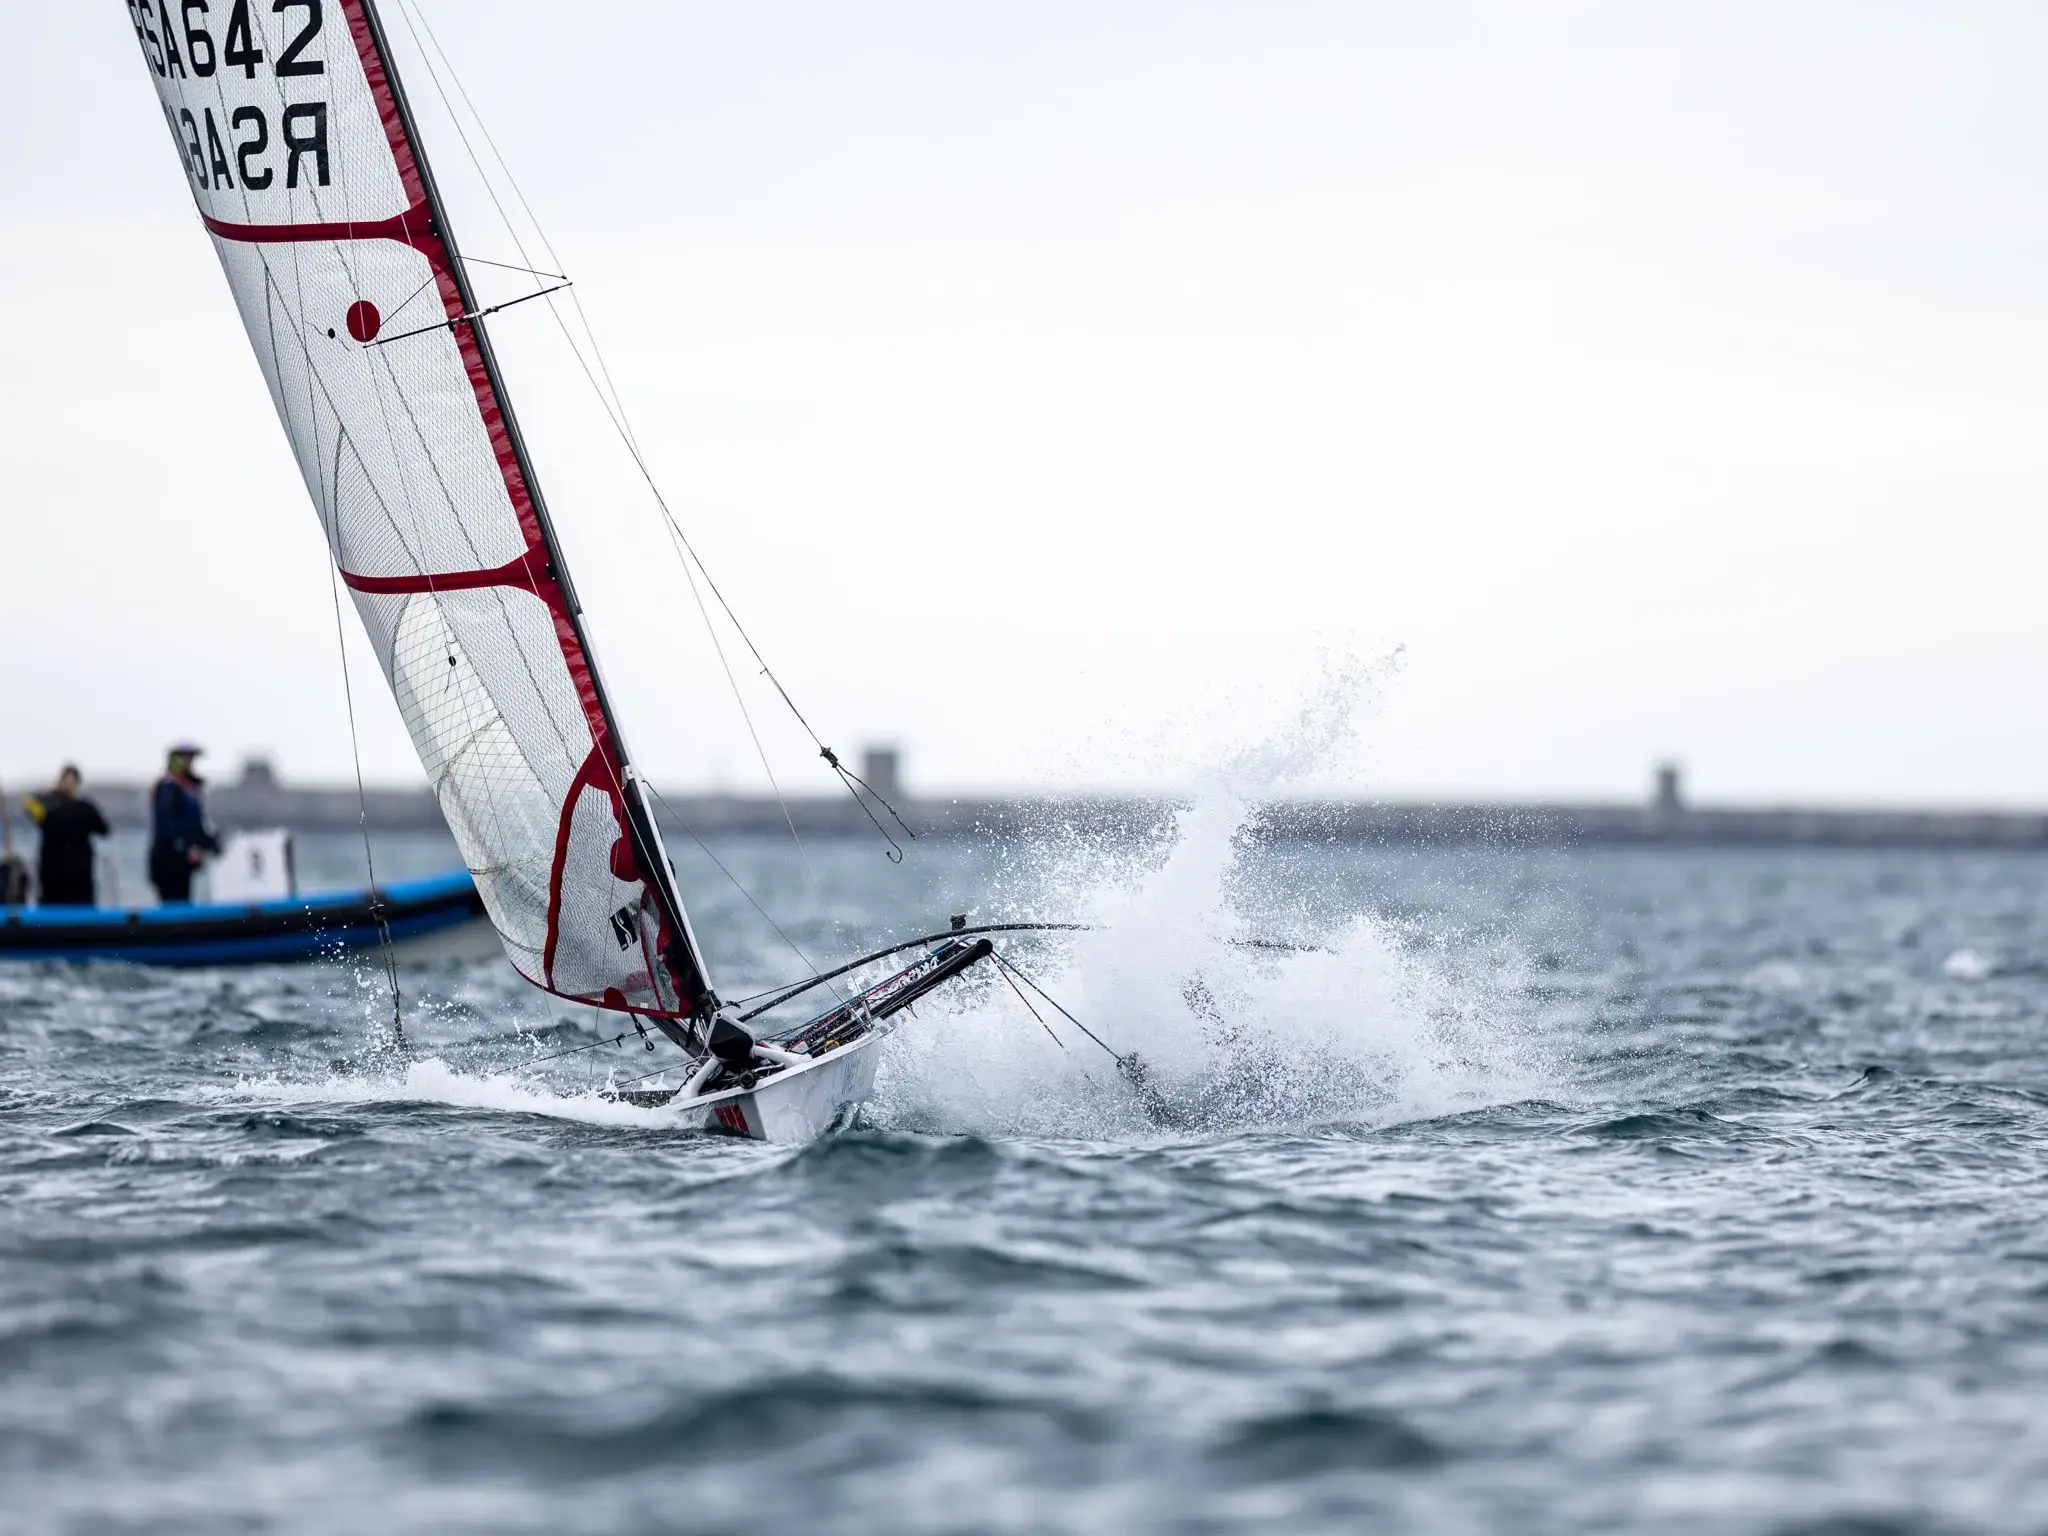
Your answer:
<point x="363" y="320"/>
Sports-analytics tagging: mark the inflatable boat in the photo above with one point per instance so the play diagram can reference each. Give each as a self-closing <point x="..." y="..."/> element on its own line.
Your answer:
<point x="422" y="916"/>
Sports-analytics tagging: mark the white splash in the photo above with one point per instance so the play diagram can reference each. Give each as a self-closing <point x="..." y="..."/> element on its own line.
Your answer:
<point x="1966" y="965"/>
<point x="430" y="1080"/>
<point x="1232" y="1034"/>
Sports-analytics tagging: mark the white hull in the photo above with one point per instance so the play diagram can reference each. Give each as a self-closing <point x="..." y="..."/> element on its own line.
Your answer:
<point x="796" y="1105"/>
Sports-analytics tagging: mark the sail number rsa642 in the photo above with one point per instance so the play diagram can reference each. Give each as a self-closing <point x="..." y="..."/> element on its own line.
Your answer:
<point x="184" y="40"/>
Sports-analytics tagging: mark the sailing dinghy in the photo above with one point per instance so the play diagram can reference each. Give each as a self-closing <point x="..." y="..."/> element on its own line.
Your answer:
<point x="305" y="161"/>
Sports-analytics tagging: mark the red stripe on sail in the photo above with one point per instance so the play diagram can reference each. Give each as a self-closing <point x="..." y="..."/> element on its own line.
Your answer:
<point x="414" y="227"/>
<point x="586" y="778"/>
<point x="527" y="572"/>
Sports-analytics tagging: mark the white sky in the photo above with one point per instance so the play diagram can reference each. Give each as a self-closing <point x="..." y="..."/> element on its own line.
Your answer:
<point x="1051" y="386"/>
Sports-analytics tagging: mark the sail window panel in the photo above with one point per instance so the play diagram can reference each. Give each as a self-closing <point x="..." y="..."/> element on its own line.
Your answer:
<point x="416" y="488"/>
<point x="496" y="822"/>
<point x="502" y="815"/>
<point x="507" y="648"/>
<point x="502" y="811"/>
<point x="510" y="870"/>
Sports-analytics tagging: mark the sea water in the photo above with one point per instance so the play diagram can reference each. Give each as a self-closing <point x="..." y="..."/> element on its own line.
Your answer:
<point x="1471" y="1190"/>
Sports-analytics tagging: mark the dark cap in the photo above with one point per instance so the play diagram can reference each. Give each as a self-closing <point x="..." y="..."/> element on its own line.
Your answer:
<point x="185" y="749"/>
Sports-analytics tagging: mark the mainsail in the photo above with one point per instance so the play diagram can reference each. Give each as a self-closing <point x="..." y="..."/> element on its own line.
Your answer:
<point x="301" y="153"/>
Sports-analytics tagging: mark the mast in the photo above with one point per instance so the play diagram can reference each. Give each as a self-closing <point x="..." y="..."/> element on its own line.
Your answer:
<point x="685" y="958"/>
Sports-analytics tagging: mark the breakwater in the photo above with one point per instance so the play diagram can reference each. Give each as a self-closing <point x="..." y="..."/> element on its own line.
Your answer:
<point x="310" y="808"/>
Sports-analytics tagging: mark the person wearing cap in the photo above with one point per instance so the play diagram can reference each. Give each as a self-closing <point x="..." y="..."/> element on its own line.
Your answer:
<point x="69" y="823"/>
<point x="179" y="839"/>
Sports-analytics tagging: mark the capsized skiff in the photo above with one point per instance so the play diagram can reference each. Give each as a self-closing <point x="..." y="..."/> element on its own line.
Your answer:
<point x="305" y="161"/>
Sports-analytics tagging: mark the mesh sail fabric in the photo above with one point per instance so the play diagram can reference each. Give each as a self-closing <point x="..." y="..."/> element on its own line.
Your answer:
<point x="295" y="144"/>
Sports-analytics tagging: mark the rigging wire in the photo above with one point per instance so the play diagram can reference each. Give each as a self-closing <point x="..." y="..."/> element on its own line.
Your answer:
<point x="377" y="907"/>
<point x="539" y="230"/>
<point x="507" y="266"/>
<point x="1056" y="1040"/>
<point x="760" y="751"/>
<point x="425" y="283"/>
<point x="615" y="409"/>
<point x="1126" y="1064"/>
<point x="465" y="318"/>
<point x="1005" y="965"/>
<point x="1010" y="973"/>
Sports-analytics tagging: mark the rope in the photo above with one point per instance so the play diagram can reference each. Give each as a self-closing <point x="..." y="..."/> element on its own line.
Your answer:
<point x="849" y="778"/>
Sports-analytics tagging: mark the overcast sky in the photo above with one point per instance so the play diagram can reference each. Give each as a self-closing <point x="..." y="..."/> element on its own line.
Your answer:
<point x="1060" y="389"/>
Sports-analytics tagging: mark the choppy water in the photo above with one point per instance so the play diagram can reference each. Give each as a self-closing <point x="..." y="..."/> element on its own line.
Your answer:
<point x="1554" y="1192"/>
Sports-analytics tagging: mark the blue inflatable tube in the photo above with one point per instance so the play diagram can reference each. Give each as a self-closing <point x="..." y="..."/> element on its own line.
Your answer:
<point x="319" y="926"/>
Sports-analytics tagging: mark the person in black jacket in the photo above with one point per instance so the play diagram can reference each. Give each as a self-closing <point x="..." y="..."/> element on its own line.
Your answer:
<point x="69" y="823"/>
<point x="179" y="839"/>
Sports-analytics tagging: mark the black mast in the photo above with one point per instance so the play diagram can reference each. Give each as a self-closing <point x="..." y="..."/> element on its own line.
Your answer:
<point x="683" y="957"/>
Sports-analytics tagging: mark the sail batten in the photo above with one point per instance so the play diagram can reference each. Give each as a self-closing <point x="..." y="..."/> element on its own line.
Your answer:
<point x="414" y="462"/>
